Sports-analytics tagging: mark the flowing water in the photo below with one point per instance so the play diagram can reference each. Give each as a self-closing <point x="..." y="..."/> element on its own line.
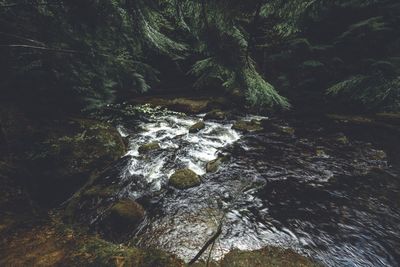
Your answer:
<point x="333" y="198"/>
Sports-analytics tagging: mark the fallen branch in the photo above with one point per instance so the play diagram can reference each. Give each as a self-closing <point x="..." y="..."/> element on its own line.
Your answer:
<point x="207" y="244"/>
<point x="214" y="237"/>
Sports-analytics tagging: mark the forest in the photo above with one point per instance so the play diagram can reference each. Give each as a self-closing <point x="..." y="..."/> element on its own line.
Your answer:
<point x="199" y="133"/>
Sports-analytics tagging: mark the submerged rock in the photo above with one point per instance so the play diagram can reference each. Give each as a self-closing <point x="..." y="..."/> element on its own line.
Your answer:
<point x="197" y="127"/>
<point x="248" y="126"/>
<point x="213" y="165"/>
<point x="266" y="257"/>
<point x="149" y="147"/>
<point x="184" y="178"/>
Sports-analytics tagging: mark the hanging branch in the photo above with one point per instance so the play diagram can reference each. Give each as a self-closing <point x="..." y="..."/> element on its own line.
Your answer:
<point x="253" y="29"/>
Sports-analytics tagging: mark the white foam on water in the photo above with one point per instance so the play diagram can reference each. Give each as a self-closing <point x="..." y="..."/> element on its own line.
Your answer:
<point x="171" y="131"/>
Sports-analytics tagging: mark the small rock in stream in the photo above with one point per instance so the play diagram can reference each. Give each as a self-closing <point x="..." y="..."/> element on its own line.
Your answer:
<point x="197" y="127"/>
<point x="184" y="178"/>
<point x="213" y="165"/>
<point x="149" y="147"/>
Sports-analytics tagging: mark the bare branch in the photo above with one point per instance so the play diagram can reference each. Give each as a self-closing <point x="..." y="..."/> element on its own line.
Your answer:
<point x="43" y="48"/>
<point x="22" y="38"/>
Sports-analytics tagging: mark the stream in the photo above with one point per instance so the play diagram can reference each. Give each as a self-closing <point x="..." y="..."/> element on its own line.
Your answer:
<point x="333" y="198"/>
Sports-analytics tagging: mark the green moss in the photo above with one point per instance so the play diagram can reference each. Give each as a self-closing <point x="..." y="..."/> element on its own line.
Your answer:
<point x="97" y="252"/>
<point x="197" y="127"/>
<point x="266" y="257"/>
<point x="184" y="178"/>
<point x="149" y="147"/>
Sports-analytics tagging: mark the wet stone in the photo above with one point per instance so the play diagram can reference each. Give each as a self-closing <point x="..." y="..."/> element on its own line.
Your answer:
<point x="197" y="127"/>
<point x="184" y="178"/>
<point x="123" y="217"/>
<point x="149" y="147"/>
<point x="213" y="165"/>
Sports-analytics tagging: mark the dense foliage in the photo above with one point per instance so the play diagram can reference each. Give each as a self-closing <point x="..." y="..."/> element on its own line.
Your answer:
<point x="89" y="52"/>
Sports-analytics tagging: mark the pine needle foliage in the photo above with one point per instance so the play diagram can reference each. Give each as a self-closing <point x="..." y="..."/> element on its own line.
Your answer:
<point x="223" y="42"/>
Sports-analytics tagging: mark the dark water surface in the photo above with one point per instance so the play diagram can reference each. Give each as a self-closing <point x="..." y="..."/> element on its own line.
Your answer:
<point x="318" y="191"/>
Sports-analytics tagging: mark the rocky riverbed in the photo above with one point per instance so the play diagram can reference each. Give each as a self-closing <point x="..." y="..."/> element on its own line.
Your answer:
<point x="320" y="192"/>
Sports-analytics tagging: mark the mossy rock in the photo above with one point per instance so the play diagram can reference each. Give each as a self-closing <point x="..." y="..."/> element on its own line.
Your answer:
<point x="149" y="147"/>
<point x="184" y="178"/>
<point x="121" y="219"/>
<point x="248" y="126"/>
<point x="216" y="114"/>
<point x="197" y="127"/>
<point x="266" y="257"/>
<point x="127" y="212"/>
<point x="213" y="165"/>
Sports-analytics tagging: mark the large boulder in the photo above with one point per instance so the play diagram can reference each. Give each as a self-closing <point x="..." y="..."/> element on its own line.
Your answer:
<point x="184" y="178"/>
